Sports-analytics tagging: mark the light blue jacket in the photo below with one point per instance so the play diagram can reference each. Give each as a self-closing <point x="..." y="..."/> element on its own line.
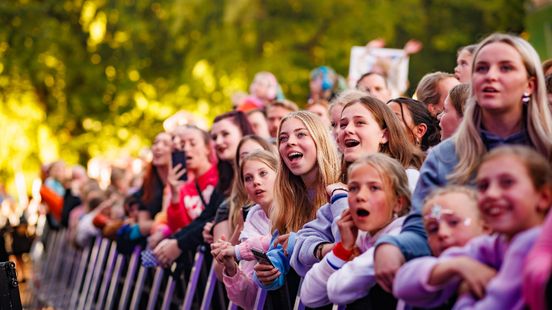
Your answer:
<point x="280" y="260"/>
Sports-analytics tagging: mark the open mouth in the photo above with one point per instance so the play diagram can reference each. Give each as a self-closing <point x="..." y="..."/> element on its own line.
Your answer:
<point x="351" y="142"/>
<point x="362" y="213"/>
<point x="294" y="156"/>
<point x="489" y="89"/>
<point x="258" y="192"/>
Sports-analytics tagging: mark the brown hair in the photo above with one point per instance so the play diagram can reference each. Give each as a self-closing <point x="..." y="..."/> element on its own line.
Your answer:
<point x="398" y="146"/>
<point x="286" y="104"/>
<point x="468" y="48"/>
<point x="427" y="91"/>
<point x="538" y="168"/>
<point x="547" y="64"/>
<point x="458" y="96"/>
<point x="420" y="115"/>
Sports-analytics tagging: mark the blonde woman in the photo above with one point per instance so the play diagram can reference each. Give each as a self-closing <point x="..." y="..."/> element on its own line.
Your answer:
<point x="507" y="106"/>
<point x="309" y="163"/>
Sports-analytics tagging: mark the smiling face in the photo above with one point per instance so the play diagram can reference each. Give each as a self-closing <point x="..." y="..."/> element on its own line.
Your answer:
<point x="197" y="152"/>
<point x="451" y="219"/>
<point x="370" y="204"/>
<point x="359" y="132"/>
<point x="226" y="136"/>
<point x="499" y="80"/>
<point x="297" y="147"/>
<point x="258" y="180"/>
<point x="507" y="198"/>
<point x="161" y="149"/>
<point x="462" y="71"/>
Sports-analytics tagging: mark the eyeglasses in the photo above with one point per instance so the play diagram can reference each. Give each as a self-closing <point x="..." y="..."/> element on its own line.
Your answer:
<point x="438" y="215"/>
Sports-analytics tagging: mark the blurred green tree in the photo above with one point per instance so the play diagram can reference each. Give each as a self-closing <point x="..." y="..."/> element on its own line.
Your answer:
<point x="82" y="78"/>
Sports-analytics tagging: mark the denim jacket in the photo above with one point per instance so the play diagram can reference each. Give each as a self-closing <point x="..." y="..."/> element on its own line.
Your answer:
<point x="439" y="163"/>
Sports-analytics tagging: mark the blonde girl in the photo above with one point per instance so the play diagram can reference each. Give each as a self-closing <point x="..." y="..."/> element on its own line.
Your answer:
<point x="309" y="162"/>
<point x="379" y="197"/>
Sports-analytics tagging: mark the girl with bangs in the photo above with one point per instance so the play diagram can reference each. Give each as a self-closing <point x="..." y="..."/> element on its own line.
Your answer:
<point x="378" y="200"/>
<point x="257" y="175"/>
<point x="230" y="216"/>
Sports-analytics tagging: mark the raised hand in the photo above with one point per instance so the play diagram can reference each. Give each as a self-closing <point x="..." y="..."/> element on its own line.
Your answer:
<point x="347" y="229"/>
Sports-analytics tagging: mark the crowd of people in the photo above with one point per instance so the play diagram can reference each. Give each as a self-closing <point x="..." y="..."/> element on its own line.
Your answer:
<point x="435" y="201"/>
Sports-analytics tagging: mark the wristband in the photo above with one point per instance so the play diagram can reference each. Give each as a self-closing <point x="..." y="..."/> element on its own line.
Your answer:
<point x="318" y="250"/>
<point x="341" y="252"/>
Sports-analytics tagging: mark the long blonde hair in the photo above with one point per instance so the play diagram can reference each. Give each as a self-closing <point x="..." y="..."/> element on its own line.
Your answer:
<point x="291" y="198"/>
<point x="538" y="120"/>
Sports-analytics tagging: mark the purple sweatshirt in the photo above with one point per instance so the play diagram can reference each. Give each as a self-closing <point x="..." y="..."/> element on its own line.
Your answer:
<point x="502" y="292"/>
<point x="322" y="229"/>
<point x="539" y="268"/>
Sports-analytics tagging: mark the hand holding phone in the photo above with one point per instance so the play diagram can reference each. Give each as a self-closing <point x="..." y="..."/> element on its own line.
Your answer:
<point x="265" y="273"/>
<point x="261" y="257"/>
<point x="179" y="157"/>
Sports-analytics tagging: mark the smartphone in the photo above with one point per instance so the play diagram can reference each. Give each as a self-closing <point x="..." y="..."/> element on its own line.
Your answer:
<point x="261" y="256"/>
<point x="179" y="157"/>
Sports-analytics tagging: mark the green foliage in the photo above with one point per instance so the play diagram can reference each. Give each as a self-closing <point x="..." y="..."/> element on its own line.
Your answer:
<point x="95" y="77"/>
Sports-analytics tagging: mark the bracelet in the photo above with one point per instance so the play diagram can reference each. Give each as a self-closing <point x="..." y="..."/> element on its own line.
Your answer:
<point x="338" y="189"/>
<point x="341" y="252"/>
<point x="318" y="250"/>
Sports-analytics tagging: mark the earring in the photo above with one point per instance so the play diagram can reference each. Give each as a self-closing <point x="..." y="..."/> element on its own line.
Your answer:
<point x="395" y="215"/>
<point x="526" y="97"/>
